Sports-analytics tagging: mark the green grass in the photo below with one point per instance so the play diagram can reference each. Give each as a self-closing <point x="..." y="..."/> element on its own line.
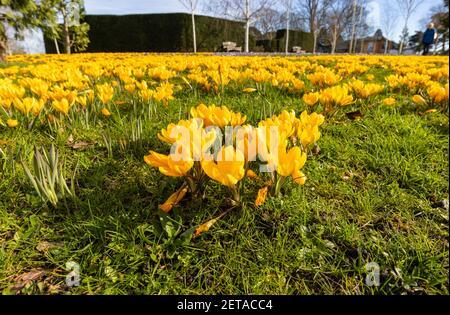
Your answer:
<point x="368" y="198"/>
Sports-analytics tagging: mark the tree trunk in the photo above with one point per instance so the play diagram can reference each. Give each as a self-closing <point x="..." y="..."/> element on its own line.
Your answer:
<point x="353" y="27"/>
<point x="56" y="46"/>
<point x="247" y="24"/>
<point x="247" y="30"/>
<point x="400" y="50"/>
<point x="444" y="40"/>
<point x="194" y="37"/>
<point x="333" y="44"/>
<point x="315" y="35"/>
<point x="3" y="43"/>
<point x="286" y="48"/>
<point x="386" y="46"/>
<point x="3" y="47"/>
<point x="66" y="33"/>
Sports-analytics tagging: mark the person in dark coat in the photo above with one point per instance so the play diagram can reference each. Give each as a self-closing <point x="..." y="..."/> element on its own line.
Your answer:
<point x="428" y="38"/>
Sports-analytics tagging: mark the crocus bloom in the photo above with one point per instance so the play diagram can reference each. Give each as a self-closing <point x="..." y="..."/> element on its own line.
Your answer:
<point x="12" y="123"/>
<point x="229" y="169"/>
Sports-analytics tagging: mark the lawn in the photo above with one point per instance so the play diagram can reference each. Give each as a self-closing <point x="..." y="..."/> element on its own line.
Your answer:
<point x="376" y="188"/>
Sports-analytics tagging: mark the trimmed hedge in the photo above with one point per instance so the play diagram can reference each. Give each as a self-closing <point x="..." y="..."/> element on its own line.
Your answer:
<point x="170" y="32"/>
<point x="296" y="38"/>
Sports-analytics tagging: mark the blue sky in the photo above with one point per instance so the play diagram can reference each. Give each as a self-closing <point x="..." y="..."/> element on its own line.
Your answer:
<point x="375" y="7"/>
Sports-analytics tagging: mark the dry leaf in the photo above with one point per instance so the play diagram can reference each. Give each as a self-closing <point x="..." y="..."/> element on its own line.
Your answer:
<point x="174" y="199"/>
<point x="79" y="145"/>
<point x="261" y="198"/>
<point x="432" y="110"/>
<point x="26" y="278"/>
<point x="46" y="246"/>
<point x="205" y="227"/>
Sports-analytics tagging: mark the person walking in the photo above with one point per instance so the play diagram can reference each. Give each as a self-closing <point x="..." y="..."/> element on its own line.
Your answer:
<point x="428" y="38"/>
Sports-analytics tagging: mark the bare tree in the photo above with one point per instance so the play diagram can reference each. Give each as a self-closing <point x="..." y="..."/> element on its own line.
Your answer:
<point x="362" y="27"/>
<point x="388" y="21"/>
<point x="269" y="22"/>
<point x="337" y="18"/>
<point x="315" y="15"/>
<point x="288" y="6"/>
<point x="407" y="8"/>
<point x="247" y="11"/>
<point x="191" y="5"/>
<point x="352" y="35"/>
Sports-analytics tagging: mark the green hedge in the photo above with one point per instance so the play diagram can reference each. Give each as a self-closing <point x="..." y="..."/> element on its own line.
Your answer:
<point x="296" y="38"/>
<point x="158" y="33"/>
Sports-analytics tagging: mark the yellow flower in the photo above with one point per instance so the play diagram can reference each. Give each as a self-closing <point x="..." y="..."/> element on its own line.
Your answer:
<point x="250" y="174"/>
<point x="438" y="93"/>
<point x="308" y="128"/>
<point x="168" y="165"/>
<point x="299" y="177"/>
<point x="336" y="95"/>
<point x="12" y="123"/>
<point x="146" y="94"/>
<point x="105" y="93"/>
<point x="370" y="77"/>
<point x="228" y="169"/>
<point x="29" y="104"/>
<point x="174" y="199"/>
<point x="311" y="98"/>
<point x="61" y="106"/>
<point x="290" y="162"/>
<point x="165" y="134"/>
<point x="219" y="116"/>
<point x="249" y="90"/>
<point x="389" y="101"/>
<point x="105" y="112"/>
<point x="419" y="99"/>
<point x="82" y="100"/>
<point x="130" y="88"/>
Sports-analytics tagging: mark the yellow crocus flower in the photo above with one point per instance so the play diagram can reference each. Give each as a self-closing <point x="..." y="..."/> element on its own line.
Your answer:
<point x="229" y="169"/>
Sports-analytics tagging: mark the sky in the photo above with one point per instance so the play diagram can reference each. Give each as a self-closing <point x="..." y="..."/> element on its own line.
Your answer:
<point x="34" y="43"/>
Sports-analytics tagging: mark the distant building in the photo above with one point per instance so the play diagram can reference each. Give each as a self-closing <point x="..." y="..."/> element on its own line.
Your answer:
<point x="370" y="45"/>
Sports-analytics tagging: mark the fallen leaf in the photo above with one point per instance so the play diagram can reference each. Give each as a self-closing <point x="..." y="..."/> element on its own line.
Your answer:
<point x="46" y="246"/>
<point x="205" y="227"/>
<point x="174" y="199"/>
<point x="79" y="145"/>
<point x="25" y="278"/>
<point x="261" y="198"/>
